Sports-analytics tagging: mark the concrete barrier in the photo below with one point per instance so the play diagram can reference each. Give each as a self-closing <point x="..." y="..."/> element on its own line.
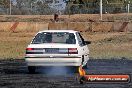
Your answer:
<point x="79" y="26"/>
<point x="122" y="26"/>
<point x="102" y="26"/>
<point x="94" y="26"/>
<point x="84" y="26"/>
<point x="24" y="26"/>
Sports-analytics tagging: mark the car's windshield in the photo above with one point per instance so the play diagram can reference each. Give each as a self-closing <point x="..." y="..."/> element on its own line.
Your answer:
<point x="54" y="37"/>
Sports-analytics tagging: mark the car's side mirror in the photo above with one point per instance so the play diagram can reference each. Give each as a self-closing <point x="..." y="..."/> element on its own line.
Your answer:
<point x="87" y="42"/>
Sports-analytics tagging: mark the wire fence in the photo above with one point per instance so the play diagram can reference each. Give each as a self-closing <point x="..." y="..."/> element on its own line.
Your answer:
<point x="49" y="7"/>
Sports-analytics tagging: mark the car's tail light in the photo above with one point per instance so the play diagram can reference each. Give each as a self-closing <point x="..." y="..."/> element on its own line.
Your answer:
<point x="29" y="48"/>
<point x="72" y="51"/>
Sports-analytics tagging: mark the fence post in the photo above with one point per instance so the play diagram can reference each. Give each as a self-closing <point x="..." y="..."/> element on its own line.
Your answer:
<point x="100" y="9"/>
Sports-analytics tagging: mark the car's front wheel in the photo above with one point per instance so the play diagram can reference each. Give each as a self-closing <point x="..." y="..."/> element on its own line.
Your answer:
<point x="31" y="69"/>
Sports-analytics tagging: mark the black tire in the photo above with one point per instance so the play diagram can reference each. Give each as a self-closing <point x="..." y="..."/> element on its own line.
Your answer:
<point x="31" y="69"/>
<point x="75" y="69"/>
<point x="82" y="80"/>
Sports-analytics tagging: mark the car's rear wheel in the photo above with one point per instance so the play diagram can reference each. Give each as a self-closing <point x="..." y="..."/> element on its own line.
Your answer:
<point x="31" y="69"/>
<point x="74" y="69"/>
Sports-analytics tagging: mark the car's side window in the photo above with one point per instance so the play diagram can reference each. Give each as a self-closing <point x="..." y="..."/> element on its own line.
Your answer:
<point x="80" y="39"/>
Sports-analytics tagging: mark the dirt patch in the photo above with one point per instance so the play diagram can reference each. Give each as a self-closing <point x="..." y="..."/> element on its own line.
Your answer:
<point x="65" y="18"/>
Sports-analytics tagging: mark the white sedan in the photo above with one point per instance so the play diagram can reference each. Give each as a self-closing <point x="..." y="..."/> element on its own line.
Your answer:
<point x="57" y="48"/>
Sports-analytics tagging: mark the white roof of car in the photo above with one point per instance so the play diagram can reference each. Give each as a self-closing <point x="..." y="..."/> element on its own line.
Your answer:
<point x="72" y="31"/>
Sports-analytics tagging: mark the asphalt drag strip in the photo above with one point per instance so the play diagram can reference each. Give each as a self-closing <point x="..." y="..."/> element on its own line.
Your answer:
<point x="14" y="74"/>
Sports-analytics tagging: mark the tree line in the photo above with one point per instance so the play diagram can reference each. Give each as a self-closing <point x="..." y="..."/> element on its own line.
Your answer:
<point x="28" y="8"/>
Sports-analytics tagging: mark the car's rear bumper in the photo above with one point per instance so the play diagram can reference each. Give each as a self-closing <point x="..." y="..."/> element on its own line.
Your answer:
<point x="52" y="61"/>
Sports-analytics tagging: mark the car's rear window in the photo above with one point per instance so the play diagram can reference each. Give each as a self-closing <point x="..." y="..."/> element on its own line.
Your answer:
<point x="54" y="37"/>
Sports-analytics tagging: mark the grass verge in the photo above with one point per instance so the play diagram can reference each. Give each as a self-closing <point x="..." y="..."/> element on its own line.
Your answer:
<point x="104" y="45"/>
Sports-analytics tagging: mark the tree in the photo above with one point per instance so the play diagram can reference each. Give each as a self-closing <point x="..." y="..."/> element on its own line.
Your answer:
<point x="5" y="3"/>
